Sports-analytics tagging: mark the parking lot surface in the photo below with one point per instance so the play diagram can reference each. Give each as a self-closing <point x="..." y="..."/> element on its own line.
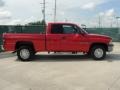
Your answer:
<point x="60" y="72"/>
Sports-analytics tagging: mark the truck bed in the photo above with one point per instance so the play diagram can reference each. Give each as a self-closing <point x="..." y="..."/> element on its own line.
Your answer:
<point x="37" y="39"/>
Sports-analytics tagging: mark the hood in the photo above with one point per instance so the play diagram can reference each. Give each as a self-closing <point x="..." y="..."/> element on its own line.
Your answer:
<point x="98" y="36"/>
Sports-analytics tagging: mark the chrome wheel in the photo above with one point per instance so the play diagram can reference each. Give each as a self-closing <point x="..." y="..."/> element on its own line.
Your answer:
<point x="99" y="53"/>
<point x="24" y="53"/>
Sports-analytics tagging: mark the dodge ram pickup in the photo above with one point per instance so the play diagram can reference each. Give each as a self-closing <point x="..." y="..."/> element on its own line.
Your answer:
<point x="59" y="37"/>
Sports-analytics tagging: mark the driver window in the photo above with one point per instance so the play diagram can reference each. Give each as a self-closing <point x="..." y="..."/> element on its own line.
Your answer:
<point x="69" y="29"/>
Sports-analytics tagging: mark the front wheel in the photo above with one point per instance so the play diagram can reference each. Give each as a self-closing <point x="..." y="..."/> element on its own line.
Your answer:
<point x="98" y="52"/>
<point x="25" y="53"/>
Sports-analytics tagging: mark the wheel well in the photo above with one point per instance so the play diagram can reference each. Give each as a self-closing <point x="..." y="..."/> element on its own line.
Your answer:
<point x="99" y="44"/>
<point x="21" y="43"/>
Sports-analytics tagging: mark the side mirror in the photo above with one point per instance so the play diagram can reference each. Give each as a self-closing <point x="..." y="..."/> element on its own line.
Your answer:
<point x="85" y="28"/>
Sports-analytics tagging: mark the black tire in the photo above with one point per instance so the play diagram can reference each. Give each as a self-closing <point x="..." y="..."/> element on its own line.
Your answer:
<point x="29" y="51"/>
<point x="34" y="53"/>
<point x="101" y="53"/>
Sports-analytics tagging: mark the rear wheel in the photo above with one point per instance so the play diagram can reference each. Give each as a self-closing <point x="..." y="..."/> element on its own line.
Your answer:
<point x="25" y="53"/>
<point x="98" y="52"/>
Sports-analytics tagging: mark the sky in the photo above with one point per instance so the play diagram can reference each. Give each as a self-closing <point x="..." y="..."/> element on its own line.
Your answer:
<point x="88" y="12"/>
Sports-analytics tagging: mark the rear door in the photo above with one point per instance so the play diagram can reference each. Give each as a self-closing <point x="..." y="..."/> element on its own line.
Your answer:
<point x="54" y="39"/>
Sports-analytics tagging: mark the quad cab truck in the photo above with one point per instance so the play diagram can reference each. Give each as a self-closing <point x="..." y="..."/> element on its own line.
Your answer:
<point x="59" y="37"/>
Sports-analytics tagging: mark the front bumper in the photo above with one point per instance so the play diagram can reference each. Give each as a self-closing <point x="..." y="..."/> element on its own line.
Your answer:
<point x="110" y="47"/>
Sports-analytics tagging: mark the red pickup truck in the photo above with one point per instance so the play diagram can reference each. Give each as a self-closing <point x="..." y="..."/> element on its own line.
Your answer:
<point x="59" y="37"/>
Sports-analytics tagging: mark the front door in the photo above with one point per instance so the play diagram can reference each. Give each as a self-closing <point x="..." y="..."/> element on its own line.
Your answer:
<point x="72" y="39"/>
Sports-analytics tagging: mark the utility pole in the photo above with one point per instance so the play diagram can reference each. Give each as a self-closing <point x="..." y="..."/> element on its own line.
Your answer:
<point x="44" y="18"/>
<point x="111" y="23"/>
<point x="99" y="22"/>
<point x="44" y="14"/>
<point x="55" y="12"/>
<point x="117" y="18"/>
<point x="43" y="10"/>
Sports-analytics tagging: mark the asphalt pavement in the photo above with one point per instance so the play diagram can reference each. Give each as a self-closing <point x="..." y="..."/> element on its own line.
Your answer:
<point x="61" y="71"/>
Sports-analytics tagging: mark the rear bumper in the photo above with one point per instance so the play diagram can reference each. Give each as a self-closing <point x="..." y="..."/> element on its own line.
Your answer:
<point x="110" y="47"/>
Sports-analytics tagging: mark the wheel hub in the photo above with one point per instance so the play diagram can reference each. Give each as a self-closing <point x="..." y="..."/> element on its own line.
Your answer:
<point x="24" y="53"/>
<point x="98" y="53"/>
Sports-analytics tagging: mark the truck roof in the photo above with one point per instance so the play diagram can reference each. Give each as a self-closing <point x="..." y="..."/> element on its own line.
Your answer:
<point x="61" y="23"/>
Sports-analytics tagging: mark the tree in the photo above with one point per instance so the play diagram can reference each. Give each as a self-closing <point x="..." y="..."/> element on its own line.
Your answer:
<point x="35" y="26"/>
<point x="41" y="23"/>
